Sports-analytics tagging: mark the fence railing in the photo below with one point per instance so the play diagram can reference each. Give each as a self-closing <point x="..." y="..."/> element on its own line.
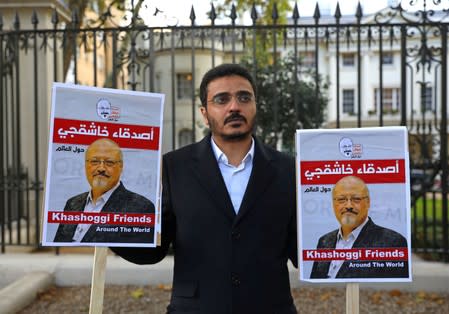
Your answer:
<point x="388" y="68"/>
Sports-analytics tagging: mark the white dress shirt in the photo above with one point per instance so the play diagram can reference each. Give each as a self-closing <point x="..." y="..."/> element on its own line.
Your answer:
<point x="344" y="244"/>
<point x="235" y="178"/>
<point x="90" y="207"/>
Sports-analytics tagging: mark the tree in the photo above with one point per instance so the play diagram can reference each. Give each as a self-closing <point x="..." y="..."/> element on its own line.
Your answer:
<point x="285" y="104"/>
<point x="103" y="9"/>
<point x="286" y="100"/>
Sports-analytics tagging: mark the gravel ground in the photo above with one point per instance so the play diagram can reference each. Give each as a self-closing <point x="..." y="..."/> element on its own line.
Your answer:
<point x="154" y="299"/>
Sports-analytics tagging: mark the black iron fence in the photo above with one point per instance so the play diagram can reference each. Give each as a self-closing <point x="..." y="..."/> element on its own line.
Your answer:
<point x="387" y="68"/>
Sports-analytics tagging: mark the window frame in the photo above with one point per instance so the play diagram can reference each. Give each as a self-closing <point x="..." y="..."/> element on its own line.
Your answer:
<point x="427" y="91"/>
<point x="184" y="87"/>
<point x="307" y="59"/>
<point x="184" y="137"/>
<point x="345" y="105"/>
<point x="393" y="102"/>
<point x="389" y="56"/>
<point x="345" y="58"/>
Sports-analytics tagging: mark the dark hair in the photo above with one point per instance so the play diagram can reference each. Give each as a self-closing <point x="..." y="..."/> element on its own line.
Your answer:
<point x="221" y="71"/>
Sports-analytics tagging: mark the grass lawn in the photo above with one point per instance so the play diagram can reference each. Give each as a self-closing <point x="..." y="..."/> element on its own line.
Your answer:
<point x="429" y="205"/>
<point x="427" y="228"/>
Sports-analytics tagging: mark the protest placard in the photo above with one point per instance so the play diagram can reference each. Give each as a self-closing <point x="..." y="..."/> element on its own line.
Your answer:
<point x="103" y="174"/>
<point x="353" y="205"/>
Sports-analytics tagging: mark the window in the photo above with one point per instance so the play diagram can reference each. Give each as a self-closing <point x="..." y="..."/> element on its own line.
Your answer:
<point x="184" y="85"/>
<point x="348" y="101"/>
<point x="391" y="100"/>
<point x="184" y="137"/>
<point x="426" y="96"/>
<point x="307" y="59"/>
<point x="387" y="58"/>
<point x="348" y="59"/>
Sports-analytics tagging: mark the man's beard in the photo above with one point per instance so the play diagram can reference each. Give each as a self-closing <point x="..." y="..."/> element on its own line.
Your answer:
<point x="348" y="220"/>
<point x="233" y="136"/>
<point x="100" y="181"/>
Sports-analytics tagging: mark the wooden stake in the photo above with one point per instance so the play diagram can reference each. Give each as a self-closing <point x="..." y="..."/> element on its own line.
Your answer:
<point x="352" y="298"/>
<point x="98" y="279"/>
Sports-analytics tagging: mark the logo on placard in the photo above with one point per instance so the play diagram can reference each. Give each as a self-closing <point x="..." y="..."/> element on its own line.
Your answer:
<point x="106" y="111"/>
<point x="349" y="149"/>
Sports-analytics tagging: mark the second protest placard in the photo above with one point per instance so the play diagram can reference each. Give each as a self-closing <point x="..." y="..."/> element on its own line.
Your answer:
<point x="353" y="205"/>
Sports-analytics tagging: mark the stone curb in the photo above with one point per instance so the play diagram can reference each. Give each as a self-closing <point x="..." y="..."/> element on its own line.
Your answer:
<point x="23" y="291"/>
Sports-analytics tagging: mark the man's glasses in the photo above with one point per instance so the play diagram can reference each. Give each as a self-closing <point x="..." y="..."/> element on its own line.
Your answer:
<point x="353" y="199"/>
<point x="242" y="98"/>
<point x="107" y="163"/>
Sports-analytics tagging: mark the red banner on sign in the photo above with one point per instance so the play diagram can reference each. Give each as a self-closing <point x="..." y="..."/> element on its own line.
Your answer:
<point x="362" y="254"/>
<point x="370" y="171"/>
<point x="74" y="218"/>
<point x="125" y="135"/>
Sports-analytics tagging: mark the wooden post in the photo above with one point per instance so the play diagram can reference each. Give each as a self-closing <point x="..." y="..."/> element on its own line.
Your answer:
<point x="98" y="279"/>
<point x="352" y="298"/>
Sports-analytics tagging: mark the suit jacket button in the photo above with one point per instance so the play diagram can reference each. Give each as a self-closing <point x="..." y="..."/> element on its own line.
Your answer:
<point x="235" y="235"/>
<point x="235" y="280"/>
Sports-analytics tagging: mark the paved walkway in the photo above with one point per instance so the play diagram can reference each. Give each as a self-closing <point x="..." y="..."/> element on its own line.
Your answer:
<point x="37" y="271"/>
<point x="76" y="269"/>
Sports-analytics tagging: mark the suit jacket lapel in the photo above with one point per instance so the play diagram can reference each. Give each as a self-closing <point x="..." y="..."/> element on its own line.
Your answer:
<point x="321" y="269"/>
<point x="115" y="201"/>
<point x="261" y="177"/>
<point x="206" y="170"/>
<point x="66" y="233"/>
<point x="78" y="205"/>
<point x="361" y="240"/>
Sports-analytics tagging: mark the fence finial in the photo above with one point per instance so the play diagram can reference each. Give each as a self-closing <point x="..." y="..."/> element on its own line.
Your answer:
<point x="192" y="15"/>
<point x="359" y="12"/>
<point x="55" y="17"/>
<point x="212" y="14"/>
<point x="233" y="14"/>
<point x="75" y="19"/>
<point x="254" y="13"/>
<point x="317" y="14"/>
<point x="337" y="14"/>
<point x="16" y="22"/>
<point x="295" y="12"/>
<point x="34" y="18"/>
<point x="275" y="14"/>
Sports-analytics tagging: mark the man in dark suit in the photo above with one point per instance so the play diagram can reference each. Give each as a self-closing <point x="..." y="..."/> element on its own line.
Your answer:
<point x="104" y="165"/>
<point x="351" y="202"/>
<point x="228" y="209"/>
